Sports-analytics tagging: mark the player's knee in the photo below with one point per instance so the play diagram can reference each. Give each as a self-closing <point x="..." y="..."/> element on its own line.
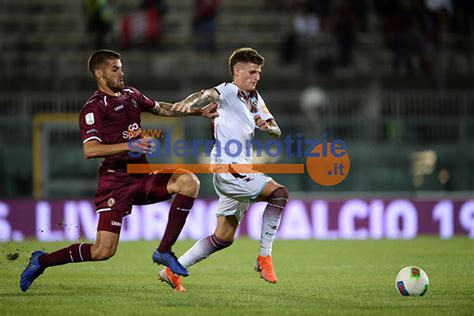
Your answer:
<point x="103" y="252"/>
<point x="279" y="197"/>
<point x="189" y="184"/>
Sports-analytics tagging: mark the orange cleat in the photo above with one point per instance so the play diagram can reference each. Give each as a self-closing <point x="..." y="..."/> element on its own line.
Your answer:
<point x="173" y="280"/>
<point x="265" y="267"/>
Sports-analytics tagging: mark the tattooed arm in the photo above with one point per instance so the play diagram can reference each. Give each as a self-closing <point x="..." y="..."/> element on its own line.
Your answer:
<point x="165" y="109"/>
<point x="198" y="99"/>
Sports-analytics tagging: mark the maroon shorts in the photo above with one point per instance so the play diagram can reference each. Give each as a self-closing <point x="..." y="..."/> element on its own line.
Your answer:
<point x="118" y="191"/>
<point x="110" y="221"/>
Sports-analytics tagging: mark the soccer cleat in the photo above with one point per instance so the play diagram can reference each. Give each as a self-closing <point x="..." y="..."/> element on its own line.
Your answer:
<point x="32" y="271"/>
<point x="265" y="268"/>
<point x="169" y="259"/>
<point x="173" y="280"/>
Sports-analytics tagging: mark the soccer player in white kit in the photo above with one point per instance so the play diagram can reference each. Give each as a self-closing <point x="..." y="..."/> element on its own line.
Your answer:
<point x="241" y="109"/>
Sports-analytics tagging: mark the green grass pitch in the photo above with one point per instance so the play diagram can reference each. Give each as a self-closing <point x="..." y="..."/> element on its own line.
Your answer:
<point x="315" y="278"/>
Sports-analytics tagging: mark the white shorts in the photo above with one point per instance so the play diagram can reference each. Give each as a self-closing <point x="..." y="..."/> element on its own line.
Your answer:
<point x="237" y="192"/>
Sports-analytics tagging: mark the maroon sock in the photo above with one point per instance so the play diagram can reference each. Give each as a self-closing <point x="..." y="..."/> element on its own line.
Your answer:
<point x="73" y="253"/>
<point x="179" y="210"/>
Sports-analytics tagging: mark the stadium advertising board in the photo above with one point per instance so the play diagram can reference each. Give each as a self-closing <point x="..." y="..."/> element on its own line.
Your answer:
<point x="57" y="220"/>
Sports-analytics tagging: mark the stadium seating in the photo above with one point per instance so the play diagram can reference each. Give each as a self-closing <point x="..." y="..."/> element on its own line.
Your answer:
<point x="369" y="106"/>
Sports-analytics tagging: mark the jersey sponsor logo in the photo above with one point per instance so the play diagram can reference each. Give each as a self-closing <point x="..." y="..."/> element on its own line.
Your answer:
<point x="133" y="131"/>
<point x="111" y="202"/>
<point x="90" y="118"/>
<point x="118" y="108"/>
<point x="93" y="130"/>
<point x="134" y="103"/>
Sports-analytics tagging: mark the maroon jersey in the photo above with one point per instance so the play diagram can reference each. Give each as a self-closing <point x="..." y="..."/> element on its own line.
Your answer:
<point x="112" y="120"/>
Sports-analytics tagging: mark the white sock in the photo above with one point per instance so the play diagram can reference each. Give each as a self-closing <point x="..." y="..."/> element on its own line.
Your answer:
<point x="270" y="222"/>
<point x="202" y="249"/>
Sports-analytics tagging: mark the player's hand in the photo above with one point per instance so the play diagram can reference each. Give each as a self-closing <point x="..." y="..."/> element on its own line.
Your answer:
<point x="210" y="110"/>
<point x="145" y="145"/>
<point x="260" y="123"/>
<point x="181" y="107"/>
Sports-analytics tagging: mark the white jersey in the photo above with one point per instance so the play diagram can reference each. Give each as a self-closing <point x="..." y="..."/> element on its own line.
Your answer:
<point x="235" y="126"/>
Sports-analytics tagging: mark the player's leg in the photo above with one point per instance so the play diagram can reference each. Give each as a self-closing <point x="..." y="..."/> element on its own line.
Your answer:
<point x="258" y="187"/>
<point x="186" y="187"/>
<point x="222" y="238"/>
<point x="203" y="248"/>
<point x="105" y="246"/>
<point x="229" y="214"/>
<point x="276" y="196"/>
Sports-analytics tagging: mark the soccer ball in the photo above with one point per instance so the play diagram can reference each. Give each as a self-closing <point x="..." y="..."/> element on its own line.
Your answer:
<point x="412" y="281"/>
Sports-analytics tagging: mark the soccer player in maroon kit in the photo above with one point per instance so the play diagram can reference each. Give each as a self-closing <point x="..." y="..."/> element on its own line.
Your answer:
<point x="108" y="121"/>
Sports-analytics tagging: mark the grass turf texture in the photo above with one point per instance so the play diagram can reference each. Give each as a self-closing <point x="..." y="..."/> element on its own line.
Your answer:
<point x="315" y="277"/>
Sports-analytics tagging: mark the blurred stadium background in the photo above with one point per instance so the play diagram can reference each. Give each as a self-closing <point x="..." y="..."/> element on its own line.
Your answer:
<point x="393" y="79"/>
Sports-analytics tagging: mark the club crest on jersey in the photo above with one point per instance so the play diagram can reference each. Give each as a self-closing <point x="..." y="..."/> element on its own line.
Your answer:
<point x="250" y="99"/>
<point x="134" y="103"/>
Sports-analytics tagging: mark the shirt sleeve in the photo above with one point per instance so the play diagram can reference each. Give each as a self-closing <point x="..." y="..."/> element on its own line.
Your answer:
<point x="145" y="104"/>
<point x="225" y="90"/>
<point x="91" y="122"/>
<point x="262" y="109"/>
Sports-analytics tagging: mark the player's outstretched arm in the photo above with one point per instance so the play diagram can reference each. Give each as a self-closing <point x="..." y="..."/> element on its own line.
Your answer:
<point x="95" y="149"/>
<point x="197" y="100"/>
<point x="269" y="126"/>
<point x="165" y="109"/>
